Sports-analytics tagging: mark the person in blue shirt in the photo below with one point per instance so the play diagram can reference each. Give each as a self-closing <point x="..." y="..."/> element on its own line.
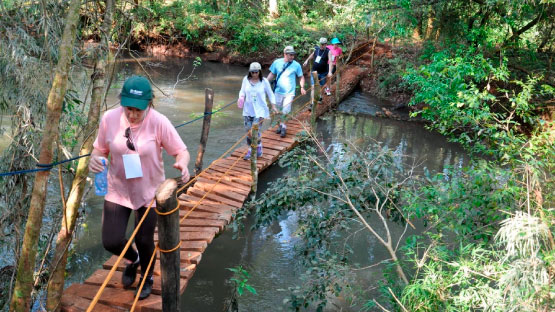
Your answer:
<point x="286" y="70"/>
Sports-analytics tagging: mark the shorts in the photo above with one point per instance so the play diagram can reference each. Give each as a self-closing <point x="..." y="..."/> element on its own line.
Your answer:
<point x="321" y="78"/>
<point x="284" y="102"/>
<point x="249" y="120"/>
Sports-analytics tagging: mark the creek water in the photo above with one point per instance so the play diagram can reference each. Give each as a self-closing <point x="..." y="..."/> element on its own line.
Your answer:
<point x="268" y="253"/>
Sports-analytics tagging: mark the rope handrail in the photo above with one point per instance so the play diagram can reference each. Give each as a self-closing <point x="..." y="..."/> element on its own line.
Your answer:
<point x="46" y="167"/>
<point x="101" y="289"/>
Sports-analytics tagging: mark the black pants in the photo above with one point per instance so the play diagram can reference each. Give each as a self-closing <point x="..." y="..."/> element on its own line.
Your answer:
<point x="114" y="224"/>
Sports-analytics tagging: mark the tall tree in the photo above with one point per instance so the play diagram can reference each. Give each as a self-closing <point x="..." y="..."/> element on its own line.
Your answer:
<point x="26" y="265"/>
<point x="56" y="283"/>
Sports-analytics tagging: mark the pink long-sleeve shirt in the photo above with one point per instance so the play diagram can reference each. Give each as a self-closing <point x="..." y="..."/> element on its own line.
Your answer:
<point x="155" y="132"/>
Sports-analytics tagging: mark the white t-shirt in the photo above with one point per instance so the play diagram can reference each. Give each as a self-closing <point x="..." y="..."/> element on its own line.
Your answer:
<point x="255" y="98"/>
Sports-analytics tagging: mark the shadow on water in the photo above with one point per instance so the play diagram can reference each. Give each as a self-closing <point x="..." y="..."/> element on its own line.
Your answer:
<point x="267" y="253"/>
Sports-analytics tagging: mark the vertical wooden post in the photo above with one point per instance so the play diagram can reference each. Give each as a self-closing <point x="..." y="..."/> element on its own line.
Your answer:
<point x="208" y="103"/>
<point x="168" y="232"/>
<point x="254" y="145"/>
<point x="373" y="48"/>
<point x="317" y="89"/>
<point x="337" y="82"/>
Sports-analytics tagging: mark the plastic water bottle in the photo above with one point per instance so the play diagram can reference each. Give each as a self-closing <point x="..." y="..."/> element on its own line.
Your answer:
<point x="101" y="180"/>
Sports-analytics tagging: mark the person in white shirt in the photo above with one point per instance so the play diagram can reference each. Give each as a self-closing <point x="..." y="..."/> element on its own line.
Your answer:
<point x="252" y="98"/>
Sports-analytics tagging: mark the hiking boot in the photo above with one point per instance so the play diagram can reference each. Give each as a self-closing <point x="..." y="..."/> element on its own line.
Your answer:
<point x="147" y="288"/>
<point x="283" y="132"/>
<point x="327" y="90"/>
<point x="248" y="155"/>
<point x="129" y="274"/>
<point x="259" y="150"/>
<point x="278" y="130"/>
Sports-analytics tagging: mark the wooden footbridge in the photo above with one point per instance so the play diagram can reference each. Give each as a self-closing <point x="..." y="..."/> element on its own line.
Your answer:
<point x="205" y="209"/>
<point x="216" y="194"/>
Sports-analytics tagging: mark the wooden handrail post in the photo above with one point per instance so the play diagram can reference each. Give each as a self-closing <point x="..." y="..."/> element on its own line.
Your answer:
<point x="254" y="145"/>
<point x="317" y="89"/>
<point x="168" y="233"/>
<point x="337" y="82"/>
<point x="208" y="104"/>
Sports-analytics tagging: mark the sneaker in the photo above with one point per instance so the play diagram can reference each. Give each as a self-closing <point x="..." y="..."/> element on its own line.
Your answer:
<point x="327" y="90"/>
<point x="278" y="130"/>
<point x="147" y="288"/>
<point x="283" y="132"/>
<point x="248" y="155"/>
<point x="129" y="274"/>
<point x="259" y="150"/>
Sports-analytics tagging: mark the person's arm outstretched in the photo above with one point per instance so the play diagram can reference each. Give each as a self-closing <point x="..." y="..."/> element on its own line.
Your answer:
<point x="181" y="163"/>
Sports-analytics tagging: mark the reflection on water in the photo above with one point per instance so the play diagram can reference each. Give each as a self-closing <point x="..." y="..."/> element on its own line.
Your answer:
<point x="268" y="253"/>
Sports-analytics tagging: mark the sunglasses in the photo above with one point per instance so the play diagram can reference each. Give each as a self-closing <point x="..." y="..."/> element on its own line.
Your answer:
<point x="254" y="72"/>
<point x="127" y="135"/>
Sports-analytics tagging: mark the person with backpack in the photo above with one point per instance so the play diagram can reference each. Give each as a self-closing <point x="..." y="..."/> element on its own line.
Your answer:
<point x="285" y="71"/>
<point x="320" y="65"/>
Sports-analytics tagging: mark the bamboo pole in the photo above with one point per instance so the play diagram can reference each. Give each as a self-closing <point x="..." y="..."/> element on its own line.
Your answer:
<point x="254" y="145"/>
<point x="208" y="104"/>
<point x="168" y="231"/>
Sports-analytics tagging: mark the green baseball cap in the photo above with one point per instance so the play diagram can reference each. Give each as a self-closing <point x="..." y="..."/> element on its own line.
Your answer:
<point x="136" y="92"/>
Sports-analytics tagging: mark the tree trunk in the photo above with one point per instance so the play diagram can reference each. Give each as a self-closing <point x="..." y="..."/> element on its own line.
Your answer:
<point x="56" y="283"/>
<point x="26" y="265"/>
<point x="273" y="8"/>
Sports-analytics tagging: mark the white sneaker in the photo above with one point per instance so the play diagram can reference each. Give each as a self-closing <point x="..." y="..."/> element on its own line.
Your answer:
<point x="327" y="90"/>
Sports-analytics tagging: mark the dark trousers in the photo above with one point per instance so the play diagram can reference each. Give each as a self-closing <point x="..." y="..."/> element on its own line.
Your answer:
<point x="114" y="224"/>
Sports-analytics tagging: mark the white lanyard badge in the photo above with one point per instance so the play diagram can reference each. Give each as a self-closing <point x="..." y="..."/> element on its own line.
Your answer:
<point x="132" y="166"/>
<point x="132" y="162"/>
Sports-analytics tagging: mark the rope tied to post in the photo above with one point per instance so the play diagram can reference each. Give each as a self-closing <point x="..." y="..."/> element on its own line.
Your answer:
<point x="169" y="250"/>
<point x="167" y="212"/>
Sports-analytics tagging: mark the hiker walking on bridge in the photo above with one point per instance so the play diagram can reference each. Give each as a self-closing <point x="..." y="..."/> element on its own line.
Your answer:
<point x="252" y="98"/>
<point x="320" y="65"/>
<point x="335" y="53"/>
<point x="285" y="71"/>
<point x="133" y="136"/>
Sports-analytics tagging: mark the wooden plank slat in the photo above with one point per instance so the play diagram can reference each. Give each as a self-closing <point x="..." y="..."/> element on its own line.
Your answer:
<point x="187" y="270"/>
<point x="214" y="197"/>
<point x="75" y="303"/>
<point x="215" y="174"/>
<point x="98" y="277"/>
<point x="239" y="188"/>
<point x="112" y="296"/>
<point x="223" y="190"/>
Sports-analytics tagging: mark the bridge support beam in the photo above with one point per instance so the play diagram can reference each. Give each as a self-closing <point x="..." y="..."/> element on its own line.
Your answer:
<point x="168" y="232"/>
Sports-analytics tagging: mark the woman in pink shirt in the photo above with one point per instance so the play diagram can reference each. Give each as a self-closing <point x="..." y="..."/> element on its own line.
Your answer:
<point x="133" y="136"/>
<point x="334" y="54"/>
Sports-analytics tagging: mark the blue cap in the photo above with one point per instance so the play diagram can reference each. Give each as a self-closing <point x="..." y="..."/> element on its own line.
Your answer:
<point x="335" y="41"/>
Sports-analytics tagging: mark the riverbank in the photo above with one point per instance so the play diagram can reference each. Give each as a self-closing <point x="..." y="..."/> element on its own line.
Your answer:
<point x="372" y="67"/>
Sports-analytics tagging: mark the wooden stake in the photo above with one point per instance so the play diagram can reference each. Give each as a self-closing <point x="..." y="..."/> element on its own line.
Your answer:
<point x="254" y="145"/>
<point x="168" y="232"/>
<point x="337" y="82"/>
<point x="208" y="104"/>
<point x="317" y="89"/>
